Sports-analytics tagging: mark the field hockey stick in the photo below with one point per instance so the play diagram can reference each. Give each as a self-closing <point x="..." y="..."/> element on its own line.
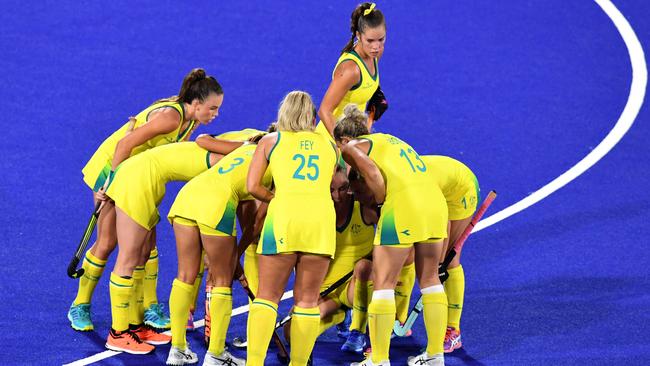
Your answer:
<point x="73" y="272"/>
<point x="401" y="329"/>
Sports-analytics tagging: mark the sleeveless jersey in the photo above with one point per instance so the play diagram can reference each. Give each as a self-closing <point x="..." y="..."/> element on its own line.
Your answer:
<point x="301" y="216"/>
<point x="457" y="183"/>
<point x="354" y="240"/>
<point x="212" y="197"/>
<point x="139" y="182"/>
<point x="414" y="209"/>
<point x="360" y="93"/>
<point x="97" y="168"/>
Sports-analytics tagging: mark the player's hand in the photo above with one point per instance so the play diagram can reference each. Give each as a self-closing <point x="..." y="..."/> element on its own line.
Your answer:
<point x="101" y="195"/>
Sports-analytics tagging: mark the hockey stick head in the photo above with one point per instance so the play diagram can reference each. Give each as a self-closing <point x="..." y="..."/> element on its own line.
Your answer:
<point x="73" y="272"/>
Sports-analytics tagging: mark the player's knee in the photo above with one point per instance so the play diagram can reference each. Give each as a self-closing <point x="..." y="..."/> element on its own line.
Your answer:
<point x="363" y="270"/>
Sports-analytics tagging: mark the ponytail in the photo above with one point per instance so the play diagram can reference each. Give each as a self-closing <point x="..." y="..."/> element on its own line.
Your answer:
<point x="364" y="16"/>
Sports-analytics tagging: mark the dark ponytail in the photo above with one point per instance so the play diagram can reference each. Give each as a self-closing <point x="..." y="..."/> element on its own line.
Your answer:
<point x="359" y="22"/>
<point x="198" y="85"/>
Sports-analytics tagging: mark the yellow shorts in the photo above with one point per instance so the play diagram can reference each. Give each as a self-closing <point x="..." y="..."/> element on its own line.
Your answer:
<point x="465" y="200"/>
<point x="340" y="295"/>
<point x="203" y="229"/>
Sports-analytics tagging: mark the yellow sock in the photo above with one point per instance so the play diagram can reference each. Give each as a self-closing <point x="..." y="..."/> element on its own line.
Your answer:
<point x="196" y="289"/>
<point x="220" y="312"/>
<point x="260" y="327"/>
<point x="455" y="290"/>
<point x="179" y="309"/>
<point x="435" y="318"/>
<point x="136" y="309"/>
<point x="331" y="320"/>
<point x="151" y="279"/>
<point x="362" y="295"/>
<point x="381" y="317"/>
<point x="304" y="331"/>
<point x="250" y="267"/>
<point x="403" y="291"/>
<point x="93" y="269"/>
<point x="120" y="291"/>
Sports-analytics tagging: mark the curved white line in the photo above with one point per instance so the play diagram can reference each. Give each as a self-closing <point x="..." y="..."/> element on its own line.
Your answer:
<point x="625" y="121"/>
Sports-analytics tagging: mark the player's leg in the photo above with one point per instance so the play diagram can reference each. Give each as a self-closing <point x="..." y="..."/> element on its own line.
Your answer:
<point x="154" y="314"/>
<point x="434" y="300"/>
<point x="387" y="262"/>
<point x="359" y="295"/>
<point x="188" y="247"/>
<point x="222" y="258"/>
<point x="310" y="272"/>
<point x="404" y="288"/>
<point x="131" y="238"/>
<point x="274" y="272"/>
<point x="93" y="264"/>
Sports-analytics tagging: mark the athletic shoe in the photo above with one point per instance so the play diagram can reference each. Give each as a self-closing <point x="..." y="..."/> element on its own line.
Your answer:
<point x="224" y="359"/>
<point x="452" y="340"/>
<point x="127" y="342"/>
<point x="79" y="316"/>
<point x="368" y="362"/>
<point x="190" y="323"/>
<point x="355" y="343"/>
<point x="155" y="317"/>
<point x="343" y="328"/>
<point x="424" y="359"/>
<point x="240" y="342"/>
<point x="178" y="357"/>
<point x="146" y="334"/>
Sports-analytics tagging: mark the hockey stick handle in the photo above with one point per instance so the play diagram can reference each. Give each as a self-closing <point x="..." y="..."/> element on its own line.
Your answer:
<point x="336" y="284"/>
<point x="73" y="272"/>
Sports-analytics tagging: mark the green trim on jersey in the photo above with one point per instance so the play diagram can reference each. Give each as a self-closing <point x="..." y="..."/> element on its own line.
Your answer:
<point x="268" y="238"/>
<point x="273" y="148"/>
<point x="227" y="223"/>
<point x="388" y="231"/>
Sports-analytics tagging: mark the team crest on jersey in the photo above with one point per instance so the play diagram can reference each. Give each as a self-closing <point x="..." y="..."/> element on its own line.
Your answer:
<point x="355" y="228"/>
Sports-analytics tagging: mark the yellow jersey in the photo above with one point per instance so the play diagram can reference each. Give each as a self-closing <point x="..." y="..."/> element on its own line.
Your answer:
<point x="241" y="135"/>
<point x="139" y="182"/>
<point x="360" y="93"/>
<point x="301" y="215"/>
<point x="97" y="168"/>
<point x="354" y="240"/>
<point x="457" y="183"/>
<point x="211" y="198"/>
<point x="414" y="209"/>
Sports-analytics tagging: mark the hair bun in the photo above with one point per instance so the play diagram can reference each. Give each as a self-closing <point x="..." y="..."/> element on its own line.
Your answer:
<point x="352" y="111"/>
<point x="197" y="74"/>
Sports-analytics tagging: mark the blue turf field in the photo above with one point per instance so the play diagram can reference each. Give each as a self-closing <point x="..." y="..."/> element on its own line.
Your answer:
<point x="518" y="90"/>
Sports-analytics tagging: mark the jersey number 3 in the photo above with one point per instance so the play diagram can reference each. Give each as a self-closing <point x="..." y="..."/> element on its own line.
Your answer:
<point x="311" y="166"/>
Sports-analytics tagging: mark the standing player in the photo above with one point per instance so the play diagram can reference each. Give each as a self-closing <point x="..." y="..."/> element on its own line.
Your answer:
<point x="166" y="121"/>
<point x="299" y="229"/>
<point x="412" y="214"/>
<point x="203" y="214"/>
<point x="356" y="75"/>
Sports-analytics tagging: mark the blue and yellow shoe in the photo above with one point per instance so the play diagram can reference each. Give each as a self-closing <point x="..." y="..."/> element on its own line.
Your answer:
<point x="156" y="318"/>
<point x="343" y="328"/>
<point x="79" y="316"/>
<point x="355" y="343"/>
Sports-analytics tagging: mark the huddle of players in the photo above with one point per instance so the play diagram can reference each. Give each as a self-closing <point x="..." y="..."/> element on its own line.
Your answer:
<point x="276" y="184"/>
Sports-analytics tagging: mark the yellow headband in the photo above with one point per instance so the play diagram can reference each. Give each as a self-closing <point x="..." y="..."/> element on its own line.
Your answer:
<point x="369" y="10"/>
